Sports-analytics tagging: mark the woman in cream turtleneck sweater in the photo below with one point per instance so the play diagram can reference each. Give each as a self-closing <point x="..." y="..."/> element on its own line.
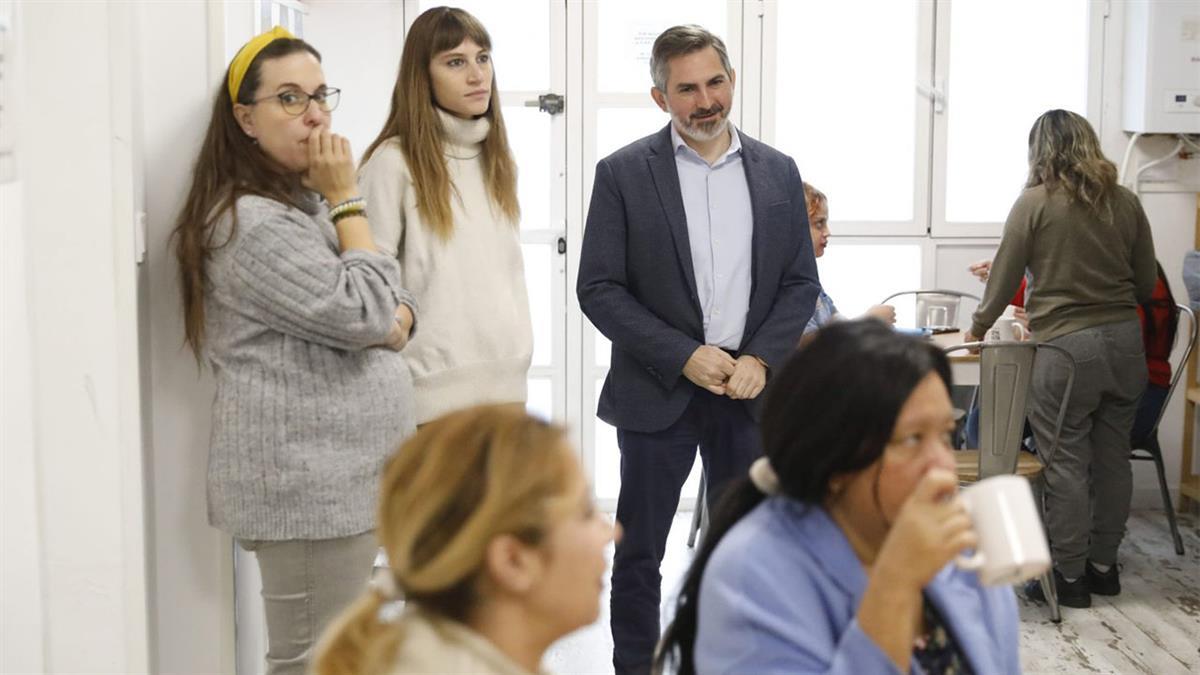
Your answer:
<point x="441" y="191"/>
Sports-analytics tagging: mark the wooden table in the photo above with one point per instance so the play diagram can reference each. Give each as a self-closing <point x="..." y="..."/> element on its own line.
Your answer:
<point x="964" y="366"/>
<point x="967" y="464"/>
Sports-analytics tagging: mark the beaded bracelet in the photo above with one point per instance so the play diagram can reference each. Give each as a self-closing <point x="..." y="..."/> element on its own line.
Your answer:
<point x="354" y="203"/>
<point x="354" y="210"/>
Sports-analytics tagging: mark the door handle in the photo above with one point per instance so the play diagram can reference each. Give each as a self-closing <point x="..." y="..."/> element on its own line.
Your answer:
<point x="549" y="103"/>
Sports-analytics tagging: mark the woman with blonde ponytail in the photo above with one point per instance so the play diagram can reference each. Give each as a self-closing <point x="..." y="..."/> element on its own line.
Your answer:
<point x="496" y="551"/>
<point x="1085" y="244"/>
<point x="441" y="187"/>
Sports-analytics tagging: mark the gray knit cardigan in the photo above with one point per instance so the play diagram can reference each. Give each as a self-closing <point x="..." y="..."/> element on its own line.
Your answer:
<point x="308" y="407"/>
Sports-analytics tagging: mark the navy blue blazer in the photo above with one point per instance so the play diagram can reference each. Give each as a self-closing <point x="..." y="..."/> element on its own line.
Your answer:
<point x="637" y="285"/>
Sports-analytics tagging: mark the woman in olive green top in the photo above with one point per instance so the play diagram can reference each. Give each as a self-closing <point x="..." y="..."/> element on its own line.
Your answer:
<point x="1086" y="244"/>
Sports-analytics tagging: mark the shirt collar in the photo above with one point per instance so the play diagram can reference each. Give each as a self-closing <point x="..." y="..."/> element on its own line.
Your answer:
<point x="735" y="143"/>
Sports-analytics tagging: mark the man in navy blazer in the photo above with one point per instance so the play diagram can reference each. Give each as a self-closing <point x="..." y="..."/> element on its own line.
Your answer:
<point x="698" y="266"/>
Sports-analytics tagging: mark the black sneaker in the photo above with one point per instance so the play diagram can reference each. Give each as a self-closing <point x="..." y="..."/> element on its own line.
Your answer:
<point x="1103" y="583"/>
<point x="1070" y="594"/>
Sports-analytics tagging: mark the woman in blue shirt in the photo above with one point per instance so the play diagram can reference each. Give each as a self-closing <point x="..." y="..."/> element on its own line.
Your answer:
<point x="836" y="555"/>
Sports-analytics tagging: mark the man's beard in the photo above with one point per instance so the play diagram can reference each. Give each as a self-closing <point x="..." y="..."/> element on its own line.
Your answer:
<point x="705" y="130"/>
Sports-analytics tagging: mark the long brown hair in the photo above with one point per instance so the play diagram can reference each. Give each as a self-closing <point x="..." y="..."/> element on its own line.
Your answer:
<point x="458" y="483"/>
<point x="414" y="121"/>
<point x="1064" y="152"/>
<point x="230" y="164"/>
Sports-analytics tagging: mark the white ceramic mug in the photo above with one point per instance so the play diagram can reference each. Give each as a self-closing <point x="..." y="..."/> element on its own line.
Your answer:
<point x="1006" y="329"/>
<point x="1012" y="544"/>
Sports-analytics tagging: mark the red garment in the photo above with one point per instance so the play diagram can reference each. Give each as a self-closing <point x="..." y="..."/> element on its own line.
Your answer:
<point x="1158" y="346"/>
<point x="1018" y="300"/>
<point x="1158" y="350"/>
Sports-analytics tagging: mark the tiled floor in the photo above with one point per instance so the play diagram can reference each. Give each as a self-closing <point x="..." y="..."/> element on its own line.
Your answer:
<point x="1152" y="627"/>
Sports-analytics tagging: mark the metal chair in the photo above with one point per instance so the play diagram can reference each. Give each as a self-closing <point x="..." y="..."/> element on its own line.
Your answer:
<point x="936" y="308"/>
<point x="1006" y="373"/>
<point x="700" y="514"/>
<point x="1147" y="449"/>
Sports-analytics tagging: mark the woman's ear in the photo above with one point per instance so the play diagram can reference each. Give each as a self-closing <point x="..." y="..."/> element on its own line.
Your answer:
<point x="244" y="115"/>
<point x="513" y="566"/>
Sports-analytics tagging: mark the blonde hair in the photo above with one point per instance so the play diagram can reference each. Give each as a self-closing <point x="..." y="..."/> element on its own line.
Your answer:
<point x="461" y="481"/>
<point x="413" y="119"/>
<point x="813" y="198"/>
<point x="1065" y="153"/>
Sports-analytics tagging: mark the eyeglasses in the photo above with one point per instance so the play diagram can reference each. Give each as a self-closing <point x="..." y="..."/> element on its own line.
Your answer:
<point x="296" y="102"/>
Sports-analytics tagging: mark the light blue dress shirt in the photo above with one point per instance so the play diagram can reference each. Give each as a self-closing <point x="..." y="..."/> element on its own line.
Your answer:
<point x="720" y="222"/>
<point x="781" y="593"/>
<point x="823" y="314"/>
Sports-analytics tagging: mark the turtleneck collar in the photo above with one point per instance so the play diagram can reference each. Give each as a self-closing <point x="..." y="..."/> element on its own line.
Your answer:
<point x="464" y="138"/>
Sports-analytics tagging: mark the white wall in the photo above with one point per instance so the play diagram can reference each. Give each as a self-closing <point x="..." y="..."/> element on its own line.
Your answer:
<point x="21" y="622"/>
<point x="1172" y="218"/>
<point x="192" y="567"/>
<point x="21" y="613"/>
<point x="75" y="599"/>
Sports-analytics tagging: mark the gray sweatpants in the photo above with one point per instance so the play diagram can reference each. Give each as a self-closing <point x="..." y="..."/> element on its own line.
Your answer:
<point x="306" y="583"/>
<point x="1088" y="480"/>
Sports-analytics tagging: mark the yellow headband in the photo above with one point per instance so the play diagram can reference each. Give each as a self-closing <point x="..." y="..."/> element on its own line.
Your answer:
<point x="245" y="56"/>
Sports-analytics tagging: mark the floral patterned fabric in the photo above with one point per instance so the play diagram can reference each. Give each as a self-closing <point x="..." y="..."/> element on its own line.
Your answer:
<point x="935" y="651"/>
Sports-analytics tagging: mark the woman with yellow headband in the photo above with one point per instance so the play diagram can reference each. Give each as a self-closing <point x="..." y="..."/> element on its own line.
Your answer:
<point x="302" y="321"/>
<point x="441" y="187"/>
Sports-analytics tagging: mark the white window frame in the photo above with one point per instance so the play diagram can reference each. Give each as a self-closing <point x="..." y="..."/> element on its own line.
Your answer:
<point x="768" y="10"/>
<point x="1098" y="12"/>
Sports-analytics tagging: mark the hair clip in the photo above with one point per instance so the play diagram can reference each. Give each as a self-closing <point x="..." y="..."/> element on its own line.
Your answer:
<point x="383" y="582"/>
<point x="763" y="475"/>
<point x="390" y="612"/>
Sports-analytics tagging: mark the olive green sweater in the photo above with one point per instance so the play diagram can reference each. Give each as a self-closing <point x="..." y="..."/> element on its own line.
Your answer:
<point x="1084" y="271"/>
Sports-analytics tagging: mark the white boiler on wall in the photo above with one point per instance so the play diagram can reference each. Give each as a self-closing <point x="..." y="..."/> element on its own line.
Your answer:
<point x="1162" y="66"/>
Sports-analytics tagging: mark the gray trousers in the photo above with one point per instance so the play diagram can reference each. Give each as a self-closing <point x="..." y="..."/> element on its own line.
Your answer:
<point x="306" y="583"/>
<point x="1088" y="481"/>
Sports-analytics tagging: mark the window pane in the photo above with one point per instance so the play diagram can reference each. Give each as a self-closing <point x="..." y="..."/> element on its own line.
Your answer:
<point x="997" y="87"/>
<point x="845" y="102"/>
<point x="540" y="402"/>
<point x="627" y="31"/>
<point x="539" y="279"/>
<point x="520" y="32"/>
<point x="858" y="276"/>
<point x="529" y="138"/>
